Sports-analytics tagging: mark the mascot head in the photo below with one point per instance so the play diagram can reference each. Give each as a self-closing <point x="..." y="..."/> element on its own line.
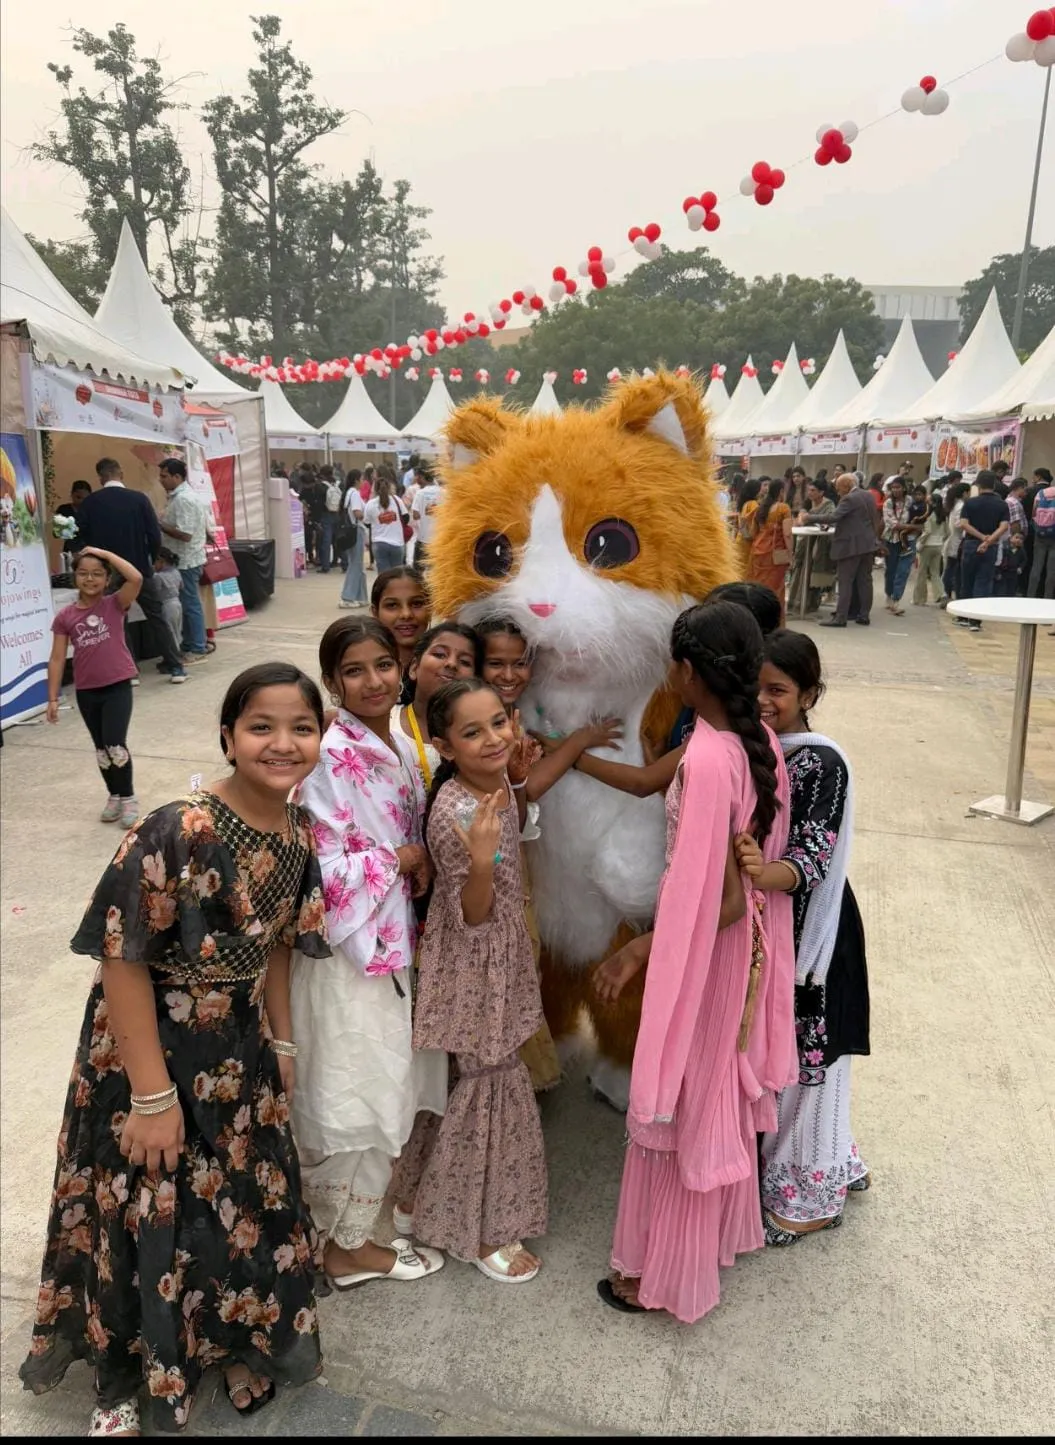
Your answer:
<point x="591" y="530"/>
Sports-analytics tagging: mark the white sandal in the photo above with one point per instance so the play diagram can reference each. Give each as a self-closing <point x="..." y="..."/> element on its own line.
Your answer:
<point x="496" y="1266"/>
<point x="120" y="1419"/>
<point x="412" y="1262"/>
<point x="404" y="1222"/>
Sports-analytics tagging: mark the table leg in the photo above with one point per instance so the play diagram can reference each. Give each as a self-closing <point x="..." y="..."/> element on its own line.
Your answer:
<point x="1010" y="806"/>
<point x="807" y="567"/>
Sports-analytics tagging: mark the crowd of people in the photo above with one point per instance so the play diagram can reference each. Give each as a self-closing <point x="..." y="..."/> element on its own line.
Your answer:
<point x="998" y="542"/>
<point x="318" y="1000"/>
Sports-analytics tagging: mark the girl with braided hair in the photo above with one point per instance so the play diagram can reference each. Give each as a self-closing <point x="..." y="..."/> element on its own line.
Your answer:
<point x="717" y="1028"/>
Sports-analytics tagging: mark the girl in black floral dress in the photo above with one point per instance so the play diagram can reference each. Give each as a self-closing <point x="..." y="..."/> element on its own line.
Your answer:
<point x="178" y="1238"/>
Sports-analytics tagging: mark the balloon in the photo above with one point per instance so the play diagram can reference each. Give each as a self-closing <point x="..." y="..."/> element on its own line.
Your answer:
<point x="377" y="353"/>
<point x="557" y="291"/>
<point x="608" y="263"/>
<point x="688" y="203"/>
<point x="594" y="253"/>
<point x="584" y="268"/>
<point x="747" y="186"/>
<point x="600" y="280"/>
<point x="537" y="303"/>
<point x="415" y="354"/>
<point x="822" y="131"/>
<point x="1044" y="54"/>
<point x="571" y="287"/>
<point x="708" y="200"/>
<point x="530" y="292"/>
<point x="559" y="273"/>
<point x="913" y="98"/>
<point x="777" y="179"/>
<point x="928" y="83"/>
<point x="711" y="221"/>
<point x="850" y="131"/>
<point x="760" y="173"/>
<point x="764" y="194"/>
<point x="485" y="330"/>
<point x="695" y="216"/>
<point x="1019" y="47"/>
<point x="518" y="298"/>
<point x="938" y="101"/>
<point x="822" y="157"/>
<point x="843" y="154"/>
<point x="641" y="245"/>
<point x="1040" y="25"/>
<point x="833" y="139"/>
<point x="633" y="234"/>
<point x="652" y="231"/>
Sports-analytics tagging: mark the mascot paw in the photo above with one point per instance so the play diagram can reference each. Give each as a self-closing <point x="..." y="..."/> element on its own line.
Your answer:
<point x="610" y="1083"/>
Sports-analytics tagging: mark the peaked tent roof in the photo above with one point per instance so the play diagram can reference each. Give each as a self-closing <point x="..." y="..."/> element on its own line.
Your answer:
<point x="546" y="403"/>
<point x="59" y="328"/>
<point x="716" y="398"/>
<point x="782" y="400"/>
<point x="132" y="310"/>
<point x="902" y="377"/>
<point x="431" y="416"/>
<point x="986" y="362"/>
<point x="357" y="416"/>
<point x="746" y="398"/>
<point x="280" y="418"/>
<point x="1031" y="390"/>
<point x="836" y="386"/>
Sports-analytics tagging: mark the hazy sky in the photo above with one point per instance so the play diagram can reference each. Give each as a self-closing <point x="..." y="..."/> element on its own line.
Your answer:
<point x="534" y="130"/>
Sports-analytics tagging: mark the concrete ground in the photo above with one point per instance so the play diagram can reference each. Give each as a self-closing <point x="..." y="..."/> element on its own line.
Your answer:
<point x="930" y="1312"/>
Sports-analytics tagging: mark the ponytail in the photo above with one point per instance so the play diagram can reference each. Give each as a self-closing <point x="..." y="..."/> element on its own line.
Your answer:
<point x="723" y="643"/>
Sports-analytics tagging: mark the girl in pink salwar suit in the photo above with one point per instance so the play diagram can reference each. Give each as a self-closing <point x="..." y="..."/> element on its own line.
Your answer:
<point x="717" y="1036"/>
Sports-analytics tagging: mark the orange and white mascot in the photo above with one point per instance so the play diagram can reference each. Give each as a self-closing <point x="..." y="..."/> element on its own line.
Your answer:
<point x="591" y="531"/>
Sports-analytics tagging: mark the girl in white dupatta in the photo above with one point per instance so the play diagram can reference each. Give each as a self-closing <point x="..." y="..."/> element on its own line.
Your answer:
<point x="359" y="1082"/>
<point x="811" y="1161"/>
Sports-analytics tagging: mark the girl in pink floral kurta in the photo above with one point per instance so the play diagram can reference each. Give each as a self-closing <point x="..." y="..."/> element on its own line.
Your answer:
<point x="359" y="1084"/>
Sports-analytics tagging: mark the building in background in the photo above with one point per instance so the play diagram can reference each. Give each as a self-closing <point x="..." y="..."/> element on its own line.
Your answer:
<point x="935" y="313"/>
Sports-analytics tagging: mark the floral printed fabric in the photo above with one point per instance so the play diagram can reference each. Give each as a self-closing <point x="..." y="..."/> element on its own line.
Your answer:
<point x="365" y="800"/>
<point x="154" y="1279"/>
<point x="817" y="778"/>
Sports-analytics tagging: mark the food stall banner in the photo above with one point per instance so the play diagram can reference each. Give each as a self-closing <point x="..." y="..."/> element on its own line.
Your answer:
<point x="304" y="442"/>
<point x="214" y="431"/>
<point x="972" y="447"/>
<point x="831" y="443"/>
<point x="25" y="588"/>
<point x="65" y="399"/>
<point x="734" y="447"/>
<point x="344" y="443"/>
<point x="883" y="439"/>
<point x="783" y="445"/>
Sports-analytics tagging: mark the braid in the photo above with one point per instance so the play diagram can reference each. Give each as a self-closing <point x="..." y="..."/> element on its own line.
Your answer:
<point x="723" y="642"/>
<point x="443" y="774"/>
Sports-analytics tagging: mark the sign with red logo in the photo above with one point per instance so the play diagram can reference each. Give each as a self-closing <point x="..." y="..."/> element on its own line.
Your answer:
<point x="65" y="399"/>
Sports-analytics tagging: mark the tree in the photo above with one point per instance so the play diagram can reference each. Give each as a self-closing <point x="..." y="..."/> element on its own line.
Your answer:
<point x="1038" y="316"/>
<point x="270" y="194"/>
<point x="76" y="264"/>
<point x="774" y="311"/>
<point x="686" y="276"/>
<point x="118" y="141"/>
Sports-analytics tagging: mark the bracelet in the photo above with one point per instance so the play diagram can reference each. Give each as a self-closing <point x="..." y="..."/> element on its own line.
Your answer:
<point x="285" y="1048"/>
<point x="517" y="786"/>
<point x="155" y="1103"/>
<point x="153" y="1098"/>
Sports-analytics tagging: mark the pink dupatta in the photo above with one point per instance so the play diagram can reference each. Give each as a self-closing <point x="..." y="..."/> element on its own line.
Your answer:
<point x="678" y="1099"/>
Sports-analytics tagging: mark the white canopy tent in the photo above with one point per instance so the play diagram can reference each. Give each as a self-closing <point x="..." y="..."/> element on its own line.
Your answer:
<point x="716" y="398"/>
<point x="546" y="403"/>
<point x="427" y="423"/>
<point x="986" y="362"/>
<point x="59" y="329"/>
<point x="902" y="377"/>
<point x="132" y="310"/>
<point x="782" y="400"/>
<point x="746" y="398"/>
<point x="357" y="425"/>
<point x="285" y="426"/>
<point x="835" y="388"/>
<point x="1030" y="392"/>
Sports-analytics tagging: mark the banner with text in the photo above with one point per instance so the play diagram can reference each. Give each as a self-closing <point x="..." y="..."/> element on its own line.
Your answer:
<point x="973" y="447"/>
<point x="832" y="443"/>
<point x="25" y="588"/>
<point x="65" y="399"/>
<point x="885" y="439"/>
<point x="229" y="605"/>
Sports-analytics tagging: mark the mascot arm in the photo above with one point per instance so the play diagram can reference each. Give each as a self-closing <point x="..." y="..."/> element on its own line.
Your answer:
<point x="640" y="782"/>
<point x="627" y="872"/>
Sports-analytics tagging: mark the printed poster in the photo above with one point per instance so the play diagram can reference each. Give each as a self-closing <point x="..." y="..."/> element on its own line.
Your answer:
<point x="229" y="605"/>
<point x="973" y="447"/>
<point x="296" y="535"/>
<point x="882" y="440"/>
<point x="65" y="399"/>
<point x="25" y="588"/>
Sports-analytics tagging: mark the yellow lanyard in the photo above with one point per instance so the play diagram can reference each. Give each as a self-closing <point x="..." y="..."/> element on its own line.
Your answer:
<point x="426" y="771"/>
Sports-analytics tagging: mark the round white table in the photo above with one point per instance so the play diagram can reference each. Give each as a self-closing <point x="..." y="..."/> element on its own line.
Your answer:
<point x="810" y="533"/>
<point x="1029" y="613"/>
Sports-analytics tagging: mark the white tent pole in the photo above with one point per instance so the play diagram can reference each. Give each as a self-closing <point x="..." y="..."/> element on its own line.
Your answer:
<point x="1023" y="270"/>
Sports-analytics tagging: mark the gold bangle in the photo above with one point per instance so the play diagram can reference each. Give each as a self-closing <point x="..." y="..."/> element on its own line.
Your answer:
<point x="153" y="1098"/>
<point x="284" y="1048"/>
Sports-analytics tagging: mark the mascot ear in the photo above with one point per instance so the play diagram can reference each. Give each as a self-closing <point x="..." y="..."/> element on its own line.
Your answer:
<point x="665" y="406"/>
<point x="478" y="429"/>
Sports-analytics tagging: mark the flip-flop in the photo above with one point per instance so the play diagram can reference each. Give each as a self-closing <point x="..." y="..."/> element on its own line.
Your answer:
<point x="606" y="1290"/>
<point x="412" y="1262"/>
<point x="257" y="1402"/>
<point x="496" y="1266"/>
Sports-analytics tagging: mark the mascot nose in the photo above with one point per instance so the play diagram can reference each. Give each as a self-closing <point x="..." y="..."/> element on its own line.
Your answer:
<point x="543" y="609"/>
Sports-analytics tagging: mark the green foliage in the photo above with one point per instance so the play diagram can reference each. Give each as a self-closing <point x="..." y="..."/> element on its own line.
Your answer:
<point x="774" y="311"/>
<point x="120" y="144"/>
<point x="77" y="265"/>
<point x="1038" y="316"/>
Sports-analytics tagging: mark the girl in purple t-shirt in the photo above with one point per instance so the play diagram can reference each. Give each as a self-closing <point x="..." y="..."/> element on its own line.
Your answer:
<point x="102" y="670"/>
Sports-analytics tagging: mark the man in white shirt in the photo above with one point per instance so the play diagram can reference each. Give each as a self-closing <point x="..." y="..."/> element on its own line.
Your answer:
<point x="185" y="523"/>
<point x="423" y="512"/>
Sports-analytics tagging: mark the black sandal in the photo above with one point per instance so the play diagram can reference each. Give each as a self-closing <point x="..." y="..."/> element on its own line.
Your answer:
<point x="256" y="1402"/>
<point x="606" y="1290"/>
<point x="777" y="1237"/>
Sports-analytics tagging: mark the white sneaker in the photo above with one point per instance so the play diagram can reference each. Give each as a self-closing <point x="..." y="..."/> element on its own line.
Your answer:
<point x="177" y="677"/>
<point x="129" y="812"/>
<point x="112" y="811"/>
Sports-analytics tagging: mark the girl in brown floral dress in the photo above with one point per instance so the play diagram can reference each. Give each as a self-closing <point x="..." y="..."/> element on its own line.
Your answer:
<point x="483" y="1185"/>
<point x="177" y="1237"/>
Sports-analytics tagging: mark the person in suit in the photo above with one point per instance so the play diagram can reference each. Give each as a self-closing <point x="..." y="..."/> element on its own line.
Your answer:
<point x="856" y="523"/>
<point x="125" y="523"/>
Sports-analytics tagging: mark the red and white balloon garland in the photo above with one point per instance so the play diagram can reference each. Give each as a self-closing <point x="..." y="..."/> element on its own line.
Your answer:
<point x="763" y="182"/>
<point x="835" y="143"/>
<point x="1037" y="41"/>
<point x="700" y="212"/>
<point x="926" y="97"/>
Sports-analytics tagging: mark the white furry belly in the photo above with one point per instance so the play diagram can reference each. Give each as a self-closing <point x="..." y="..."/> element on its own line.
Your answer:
<point x="598" y="862"/>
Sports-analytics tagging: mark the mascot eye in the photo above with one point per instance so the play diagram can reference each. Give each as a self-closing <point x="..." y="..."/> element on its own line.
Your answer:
<point x="611" y="543"/>
<point x="493" y="555"/>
